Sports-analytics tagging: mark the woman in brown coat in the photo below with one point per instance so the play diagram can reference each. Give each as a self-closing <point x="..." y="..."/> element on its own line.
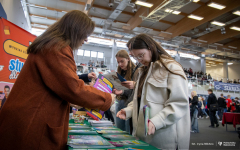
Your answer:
<point x="36" y="113"/>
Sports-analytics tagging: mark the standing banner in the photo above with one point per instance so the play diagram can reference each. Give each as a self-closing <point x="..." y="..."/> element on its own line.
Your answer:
<point x="14" y="42"/>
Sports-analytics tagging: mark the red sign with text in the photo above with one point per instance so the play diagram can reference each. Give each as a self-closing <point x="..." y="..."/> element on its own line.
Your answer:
<point x="14" y="42"/>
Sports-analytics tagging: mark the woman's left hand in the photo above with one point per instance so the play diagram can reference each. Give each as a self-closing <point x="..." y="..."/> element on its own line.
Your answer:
<point x="151" y="128"/>
<point x="92" y="75"/>
<point x="128" y="84"/>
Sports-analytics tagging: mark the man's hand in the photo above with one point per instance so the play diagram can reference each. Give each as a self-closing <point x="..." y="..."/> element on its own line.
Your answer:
<point x="128" y="84"/>
<point x="92" y="75"/>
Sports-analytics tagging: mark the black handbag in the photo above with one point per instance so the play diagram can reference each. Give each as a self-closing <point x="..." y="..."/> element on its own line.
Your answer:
<point x="213" y="107"/>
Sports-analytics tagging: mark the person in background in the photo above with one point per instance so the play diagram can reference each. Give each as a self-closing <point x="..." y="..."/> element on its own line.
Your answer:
<point x="93" y="63"/>
<point x="203" y="107"/>
<point x="221" y="106"/>
<point x="212" y="100"/>
<point x="90" y="63"/>
<point x="97" y="64"/>
<point x="36" y="113"/>
<point x="228" y="102"/>
<point x="194" y="112"/>
<point x="200" y="114"/>
<point x="235" y="81"/>
<point x="233" y="105"/>
<point x="6" y="92"/>
<point x="162" y="85"/>
<point x="125" y="69"/>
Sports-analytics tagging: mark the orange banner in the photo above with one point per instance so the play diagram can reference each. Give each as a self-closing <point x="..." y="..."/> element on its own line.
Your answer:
<point x="14" y="42"/>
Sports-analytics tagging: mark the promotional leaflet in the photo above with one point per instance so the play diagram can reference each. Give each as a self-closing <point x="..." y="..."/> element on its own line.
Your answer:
<point x="111" y="132"/>
<point x="146" y="111"/>
<point x="113" y="78"/>
<point x="82" y="132"/>
<point x="78" y="127"/>
<point x="105" y="128"/>
<point x="119" y="137"/>
<point x="88" y="142"/>
<point x="128" y="143"/>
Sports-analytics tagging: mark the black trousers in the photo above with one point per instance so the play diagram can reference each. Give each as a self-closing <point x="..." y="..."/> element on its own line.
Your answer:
<point x="213" y="118"/>
<point x="108" y="115"/>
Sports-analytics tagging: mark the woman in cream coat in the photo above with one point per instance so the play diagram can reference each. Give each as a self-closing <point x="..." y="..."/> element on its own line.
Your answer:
<point x="162" y="85"/>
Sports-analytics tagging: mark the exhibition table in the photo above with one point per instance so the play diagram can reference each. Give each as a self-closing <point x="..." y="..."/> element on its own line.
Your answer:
<point x="233" y="118"/>
<point x="137" y="147"/>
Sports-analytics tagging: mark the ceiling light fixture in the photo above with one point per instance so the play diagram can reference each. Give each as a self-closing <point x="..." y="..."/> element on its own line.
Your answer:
<point x="195" y="17"/>
<point x="146" y="4"/>
<point x="229" y="63"/>
<point x="236" y="12"/>
<point x="216" y="5"/>
<point x="195" y="1"/>
<point x="232" y="47"/>
<point x="218" y="23"/>
<point x="235" y="28"/>
<point x="173" y="12"/>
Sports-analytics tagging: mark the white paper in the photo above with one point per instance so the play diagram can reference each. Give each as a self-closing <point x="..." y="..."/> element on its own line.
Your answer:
<point x="113" y="78"/>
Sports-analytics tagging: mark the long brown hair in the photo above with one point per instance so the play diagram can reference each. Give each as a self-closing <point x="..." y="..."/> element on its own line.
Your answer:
<point x="130" y="66"/>
<point x="71" y="29"/>
<point x="143" y="41"/>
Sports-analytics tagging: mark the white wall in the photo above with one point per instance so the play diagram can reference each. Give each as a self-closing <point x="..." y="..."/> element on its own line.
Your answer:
<point x="217" y="71"/>
<point x="234" y="71"/>
<point x="194" y="64"/>
<point x="15" y="14"/>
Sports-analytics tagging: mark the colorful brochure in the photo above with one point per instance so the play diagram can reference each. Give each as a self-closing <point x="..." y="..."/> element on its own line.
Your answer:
<point x="86" y="141"/>
<point x="105" y="128"/>
<point x="119" y="137"/>
<point x="78" y="127"/>
<point x="128" y="143"/>
<point x="146" y="114"/>
<point x="84" y="132"/>
<point x="111" y="132"/>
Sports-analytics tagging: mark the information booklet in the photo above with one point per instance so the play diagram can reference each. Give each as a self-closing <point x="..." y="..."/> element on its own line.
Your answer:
<point x="82" y="132"/>
<point x="119" y="137"/>
<point x="105" y="128"/>
<point x="86" y="141"/>
<point x="128" y="143"/>
<point x="77" y="124"/>
<point x="111" y="132"/>
<point x="146" y="114"/>
<point x="103" y="84"/>
<point x="96" y="114"/>
<point x="101" y="123"/>
<point x="71" y="127"/>
<point x="113" y="78"/>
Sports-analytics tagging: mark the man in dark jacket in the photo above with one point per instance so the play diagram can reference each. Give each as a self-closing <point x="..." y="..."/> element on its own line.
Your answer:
<point x="221" y="105"/>
<point x="212" y="100"/>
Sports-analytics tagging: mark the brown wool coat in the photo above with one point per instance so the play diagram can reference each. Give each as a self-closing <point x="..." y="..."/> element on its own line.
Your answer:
<point x="35" y="116"/>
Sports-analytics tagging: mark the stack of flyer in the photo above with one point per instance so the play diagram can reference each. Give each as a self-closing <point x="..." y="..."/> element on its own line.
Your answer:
<point x="111" y="132"/>
<point x="101" y="123"/>
<point x="122" y="143"/>
<point x="86" y="141"/>
<point x="119" y="137"/>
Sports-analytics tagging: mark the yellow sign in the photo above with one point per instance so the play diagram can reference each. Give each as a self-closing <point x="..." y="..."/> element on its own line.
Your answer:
<point x="13" y="48"/>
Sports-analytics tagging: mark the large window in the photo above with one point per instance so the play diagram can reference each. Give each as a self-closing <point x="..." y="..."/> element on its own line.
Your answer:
<point x="80" y="52"/>
<point x="93" y="54"/>
<point x="100" y="55"/>
<point x="87" y="53"/>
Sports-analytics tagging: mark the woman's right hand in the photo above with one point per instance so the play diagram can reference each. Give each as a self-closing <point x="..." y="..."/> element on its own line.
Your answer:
<point x="117" y="92"/>
<point x="122" y="114"/>
<point x="113" y="99"/>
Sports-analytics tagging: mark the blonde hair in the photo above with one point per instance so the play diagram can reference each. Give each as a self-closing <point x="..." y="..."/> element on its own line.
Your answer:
<point x="130" y="66"/>
<point x="199" y="99"/>
<point x="194" y="93"/>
